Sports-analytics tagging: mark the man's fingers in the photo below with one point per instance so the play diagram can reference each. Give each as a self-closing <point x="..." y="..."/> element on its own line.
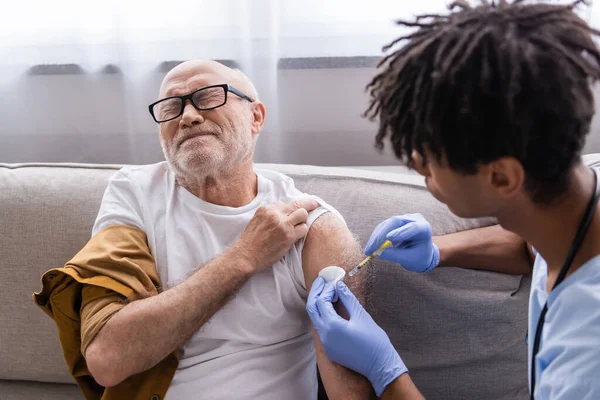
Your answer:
<point x="306" y="203"/>
<point x="300" y="231"/>
<point x="297" y="217"/>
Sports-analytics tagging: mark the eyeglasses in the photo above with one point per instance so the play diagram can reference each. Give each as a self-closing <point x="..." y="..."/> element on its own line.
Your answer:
<point x="207" y="98"/>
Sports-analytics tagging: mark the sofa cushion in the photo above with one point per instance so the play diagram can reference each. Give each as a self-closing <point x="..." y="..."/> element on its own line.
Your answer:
<point x="461" y="332"/>
<point x="45" y="218"/>
<point x="21" y="390"/>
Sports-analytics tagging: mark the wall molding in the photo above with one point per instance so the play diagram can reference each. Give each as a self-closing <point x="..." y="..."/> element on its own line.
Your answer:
<point x="288" y="63"/>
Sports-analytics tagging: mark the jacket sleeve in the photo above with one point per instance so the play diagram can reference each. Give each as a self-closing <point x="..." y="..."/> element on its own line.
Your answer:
<point x="98" y="305"/>
<point x="114" y="267"/>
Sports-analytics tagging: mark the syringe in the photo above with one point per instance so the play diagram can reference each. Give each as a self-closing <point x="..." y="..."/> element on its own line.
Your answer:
<point x="377" y="253"/>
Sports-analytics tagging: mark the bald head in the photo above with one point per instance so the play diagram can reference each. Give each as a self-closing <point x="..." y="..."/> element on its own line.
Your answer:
<point x="205" y="138"/>
<point x="251" y="89"/>
<point x="179" y="80"/>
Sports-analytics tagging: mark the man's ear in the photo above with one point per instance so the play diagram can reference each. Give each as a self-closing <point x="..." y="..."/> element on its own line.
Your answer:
<point x="258" y="114"/>
<point x="507" y="176"/>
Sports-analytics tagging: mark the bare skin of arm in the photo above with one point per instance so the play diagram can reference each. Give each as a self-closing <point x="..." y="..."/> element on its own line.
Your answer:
<point x="491" y="248"/>
<point x="402" y="388"/>
<point x="145" y="331"/>
<point x="329" y="242"/>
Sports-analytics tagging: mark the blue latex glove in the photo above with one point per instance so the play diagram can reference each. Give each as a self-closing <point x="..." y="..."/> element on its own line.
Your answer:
<point x="410" y="235"/>
<point x="359" y="344"/>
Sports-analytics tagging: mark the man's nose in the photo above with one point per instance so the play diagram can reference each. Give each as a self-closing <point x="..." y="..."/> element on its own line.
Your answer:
<point x="419" y="163"/>
<point x="191" y="116"/>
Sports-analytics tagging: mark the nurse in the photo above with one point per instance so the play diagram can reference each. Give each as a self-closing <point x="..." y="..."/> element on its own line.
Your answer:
<point x="492" y="105"/>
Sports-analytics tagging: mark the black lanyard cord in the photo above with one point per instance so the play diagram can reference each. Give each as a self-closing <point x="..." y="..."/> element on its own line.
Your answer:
<point x="579" y="236"/>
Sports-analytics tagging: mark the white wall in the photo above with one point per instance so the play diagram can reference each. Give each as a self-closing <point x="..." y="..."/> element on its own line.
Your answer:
<point x="313" y="117"/>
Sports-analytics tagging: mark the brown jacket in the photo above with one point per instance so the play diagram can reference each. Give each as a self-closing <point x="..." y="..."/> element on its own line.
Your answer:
<point x="114" y="267"/>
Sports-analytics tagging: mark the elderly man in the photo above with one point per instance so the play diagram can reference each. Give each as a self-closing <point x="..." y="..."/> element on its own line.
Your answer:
<point x="194" y="283"/>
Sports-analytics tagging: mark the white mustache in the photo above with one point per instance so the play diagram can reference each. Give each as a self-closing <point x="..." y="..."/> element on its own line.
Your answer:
<point x="189" y="135"/>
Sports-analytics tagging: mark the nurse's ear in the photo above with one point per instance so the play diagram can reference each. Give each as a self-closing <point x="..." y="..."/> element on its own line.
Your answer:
<point x="507" y="176"/>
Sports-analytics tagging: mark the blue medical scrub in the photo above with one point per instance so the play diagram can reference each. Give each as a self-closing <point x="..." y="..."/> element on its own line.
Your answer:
<point x="568" y="362"/>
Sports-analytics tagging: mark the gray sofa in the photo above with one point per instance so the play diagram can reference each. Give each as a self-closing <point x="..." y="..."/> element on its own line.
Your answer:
<point x="461" y="332"/>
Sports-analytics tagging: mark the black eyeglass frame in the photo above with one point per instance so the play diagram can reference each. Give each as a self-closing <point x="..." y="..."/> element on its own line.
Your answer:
<point x="226" y="88"/>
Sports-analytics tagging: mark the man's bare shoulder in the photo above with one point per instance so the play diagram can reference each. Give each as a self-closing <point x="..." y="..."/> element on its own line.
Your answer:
<point x="327" y="223"/>
<point x="330" y="242"/>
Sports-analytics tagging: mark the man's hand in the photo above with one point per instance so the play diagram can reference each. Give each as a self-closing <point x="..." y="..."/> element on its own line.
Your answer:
<point x="273" y="230"/>
<point x="412" y="245"/>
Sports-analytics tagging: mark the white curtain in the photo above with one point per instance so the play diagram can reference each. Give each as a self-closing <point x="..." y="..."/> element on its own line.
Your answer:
<point x="76" y="76"/>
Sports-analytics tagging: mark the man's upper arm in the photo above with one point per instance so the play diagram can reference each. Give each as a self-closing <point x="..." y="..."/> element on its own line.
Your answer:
<point x="330" y="242"/>
<point x="119" y="268"/>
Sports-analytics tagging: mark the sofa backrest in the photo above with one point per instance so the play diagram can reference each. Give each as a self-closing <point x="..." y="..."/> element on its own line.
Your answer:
<point x="461" y="332"/>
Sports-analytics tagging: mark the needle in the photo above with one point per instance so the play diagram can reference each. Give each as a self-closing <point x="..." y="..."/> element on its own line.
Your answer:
<point x="376" y="253"/>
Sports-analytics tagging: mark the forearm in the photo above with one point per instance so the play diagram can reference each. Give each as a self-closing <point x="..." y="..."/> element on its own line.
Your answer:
<point x="402" y="388"/>
<point x="491" y="248"/>
<point x="340" y="382"/>
<point x="145" y="331"/>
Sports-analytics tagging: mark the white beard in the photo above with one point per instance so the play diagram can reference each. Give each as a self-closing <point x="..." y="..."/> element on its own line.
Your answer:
<point x="190" y="165"/>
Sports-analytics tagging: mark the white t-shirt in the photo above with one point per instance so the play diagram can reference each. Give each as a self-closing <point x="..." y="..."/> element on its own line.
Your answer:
<point x="259" y="345"/>
<point x="568" y="361"/>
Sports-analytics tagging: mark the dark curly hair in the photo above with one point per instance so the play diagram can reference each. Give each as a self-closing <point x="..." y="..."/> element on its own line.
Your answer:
<point x="499" y="79"/>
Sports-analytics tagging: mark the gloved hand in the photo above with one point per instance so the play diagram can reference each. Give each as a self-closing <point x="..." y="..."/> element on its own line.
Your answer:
<point x="359" y="344"/>
<point x="412" y="246"/>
